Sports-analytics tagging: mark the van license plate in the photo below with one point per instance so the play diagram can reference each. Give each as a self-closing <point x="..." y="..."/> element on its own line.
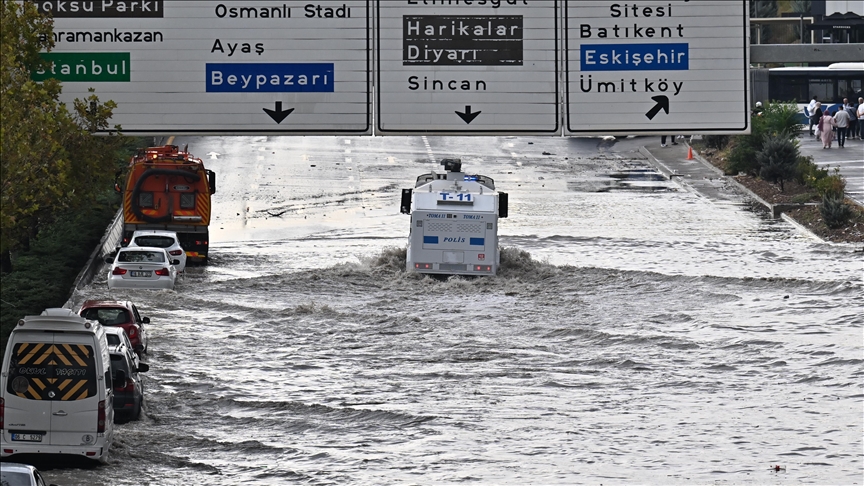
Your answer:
<point x="141" y="273"/>
<point x="27" y="437"/>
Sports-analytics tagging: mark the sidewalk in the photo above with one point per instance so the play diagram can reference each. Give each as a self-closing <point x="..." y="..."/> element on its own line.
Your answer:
<point x="701" y="177"/>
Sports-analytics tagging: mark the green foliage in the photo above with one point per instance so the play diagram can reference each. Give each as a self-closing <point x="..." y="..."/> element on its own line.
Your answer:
<point x="833" y="186"/>
<point x="808" y="173"/>
<point x="778" y="119"/>
<point x="777" y="158"/>
<point x="717" y="142"/>
<point x="835" y="212"/>
<point x="43" y="276"/>
<point x="50" y="160"/>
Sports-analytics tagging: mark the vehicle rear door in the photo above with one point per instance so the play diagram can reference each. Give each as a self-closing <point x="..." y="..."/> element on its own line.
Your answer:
<point x="74" y="391"/>
<point x="28" y="410"/>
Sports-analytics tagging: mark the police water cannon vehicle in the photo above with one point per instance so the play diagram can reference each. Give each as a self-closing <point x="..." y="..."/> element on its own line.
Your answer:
<point x="454" y="222"/>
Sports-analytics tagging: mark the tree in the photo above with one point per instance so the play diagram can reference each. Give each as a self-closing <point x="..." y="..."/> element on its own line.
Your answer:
<point x="777" y="158"/>
<point x="49" y="160"/>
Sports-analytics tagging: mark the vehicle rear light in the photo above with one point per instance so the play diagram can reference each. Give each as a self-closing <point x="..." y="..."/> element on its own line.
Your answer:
<point x="162" y="271"/>
<point x="119" y="271"/>
<point x="176" y="252"/>
<point x="199" y="242"/>
<point x="2" y="411"/>
<point x="91" y="453"/>
<point x="132" y="332"/>
<point x="423" y="266"/>
<point x="100" y="418"/>
<point x="482" y="268"/>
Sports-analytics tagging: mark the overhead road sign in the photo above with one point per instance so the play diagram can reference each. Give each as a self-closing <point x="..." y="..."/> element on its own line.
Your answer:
<point x="656" y="66"/>
<point x="201" y="66"/>
<point x="467" y="67"/>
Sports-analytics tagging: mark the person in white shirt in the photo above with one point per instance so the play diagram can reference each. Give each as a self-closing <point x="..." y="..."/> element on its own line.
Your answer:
<point x="841" y="121"/>
<point x="861" y="118"/>
<point x="811" y="109"/>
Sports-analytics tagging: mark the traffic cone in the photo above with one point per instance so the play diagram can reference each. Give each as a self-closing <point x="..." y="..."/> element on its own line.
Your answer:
<point x="689" y="153"/>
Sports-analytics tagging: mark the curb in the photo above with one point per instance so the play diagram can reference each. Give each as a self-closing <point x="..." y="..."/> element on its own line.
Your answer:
<point x="666" y="171"/>
<point x="800" y="227"/>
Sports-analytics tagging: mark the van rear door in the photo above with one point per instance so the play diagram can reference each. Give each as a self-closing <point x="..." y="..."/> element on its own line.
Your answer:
<point x="74" y="392"/>
<point x="28" y="411"/>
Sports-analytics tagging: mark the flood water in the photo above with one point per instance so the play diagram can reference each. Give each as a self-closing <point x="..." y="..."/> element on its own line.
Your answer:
<point x="637" y="333"/>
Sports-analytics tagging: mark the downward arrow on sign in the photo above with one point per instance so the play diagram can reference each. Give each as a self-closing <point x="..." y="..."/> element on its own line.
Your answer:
<point x="278" y="114"/>
<point x="468" y="117"/>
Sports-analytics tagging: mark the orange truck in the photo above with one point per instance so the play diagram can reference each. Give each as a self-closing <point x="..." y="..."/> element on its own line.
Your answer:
<point x="169" y="189"/>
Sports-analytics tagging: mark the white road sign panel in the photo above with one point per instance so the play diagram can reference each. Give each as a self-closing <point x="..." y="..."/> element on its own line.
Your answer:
<point x="467" y="67"/>
<point x="656" y="66"/>
<point x="201" y="66"/>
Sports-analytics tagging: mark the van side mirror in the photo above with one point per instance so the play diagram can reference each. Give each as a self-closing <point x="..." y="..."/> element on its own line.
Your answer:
<point x="108" y="259"/>
<point x="405" y="206"/>
<point x="211" y="181"/>
<point x="503" y="199"/>
<point x="145" y="320"/>
<point x="139" y="348"/>
<point x="143" y="367"/>
<point x="175" y="262"/>
<point x="120" y="379"/>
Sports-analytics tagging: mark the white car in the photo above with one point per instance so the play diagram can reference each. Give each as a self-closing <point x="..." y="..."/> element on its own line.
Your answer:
<point x="142" y="267"/>
<point x="15" y="474"/>
<point x="161" y="239"/>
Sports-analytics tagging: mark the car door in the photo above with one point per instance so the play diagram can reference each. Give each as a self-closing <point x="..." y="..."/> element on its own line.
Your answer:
<point x="140" y="323"/>
<point x="27" y="408"/>
<point x="74" y="393"/>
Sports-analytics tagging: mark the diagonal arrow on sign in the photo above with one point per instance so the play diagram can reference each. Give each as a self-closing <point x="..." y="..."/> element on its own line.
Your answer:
<point x="468" y="117"/>
<point x="662" y="103"/>
<point x="278" y="114"/>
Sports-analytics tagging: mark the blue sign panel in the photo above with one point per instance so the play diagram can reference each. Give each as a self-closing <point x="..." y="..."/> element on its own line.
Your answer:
<point x="270" y="78"/>
<point x="430" y="240"/>
<point x="635" y="57"/>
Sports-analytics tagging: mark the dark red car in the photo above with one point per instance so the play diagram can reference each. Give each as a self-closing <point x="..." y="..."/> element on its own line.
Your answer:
<point x="119" y="313"/>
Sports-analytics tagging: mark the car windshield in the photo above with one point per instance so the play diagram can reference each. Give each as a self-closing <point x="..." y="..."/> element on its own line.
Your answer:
<point x="14" y="478"/>
<point x="157" y="241"/>
<point x="140" y="257"/>
<point x="107" y="317"/>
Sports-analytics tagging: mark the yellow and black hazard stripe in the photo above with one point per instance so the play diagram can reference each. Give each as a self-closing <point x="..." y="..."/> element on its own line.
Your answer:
<point x="55" y="371"/>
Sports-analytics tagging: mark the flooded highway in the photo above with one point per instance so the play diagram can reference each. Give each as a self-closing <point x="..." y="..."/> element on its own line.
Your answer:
<point x="637" y="332"/>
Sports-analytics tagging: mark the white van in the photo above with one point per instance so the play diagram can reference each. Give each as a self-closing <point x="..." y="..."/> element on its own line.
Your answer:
<point x="56" y="395"/>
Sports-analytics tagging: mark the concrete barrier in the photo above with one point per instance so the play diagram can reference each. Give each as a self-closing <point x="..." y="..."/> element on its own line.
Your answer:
<point x="110" y="240"/>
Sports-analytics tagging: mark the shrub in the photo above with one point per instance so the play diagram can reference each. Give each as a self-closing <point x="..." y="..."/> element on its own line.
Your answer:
<point x="777" y="120"/>
<point x="716" y="142"/>
<point x="833" y="186"/>
<point x="808" y="173"/>
<point x="835" y="211"/>
<point x="777" y="158"/>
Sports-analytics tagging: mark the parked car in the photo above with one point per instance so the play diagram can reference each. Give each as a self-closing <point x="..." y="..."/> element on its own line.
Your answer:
<point x="16" y="474"/>
<point x="117" y="336"/>
<point x="144" y="267"/>
<point x="128" y="383"/>
<point x="122" y="314"/>
<point x="161" y="239"/>
<point x="55" y="388"/>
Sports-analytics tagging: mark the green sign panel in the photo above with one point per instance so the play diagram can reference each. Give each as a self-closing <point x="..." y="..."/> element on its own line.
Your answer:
<point x="99" y="67"/>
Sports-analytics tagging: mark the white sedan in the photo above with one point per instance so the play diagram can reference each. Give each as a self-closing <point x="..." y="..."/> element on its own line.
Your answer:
<point x="142" y="267"/>
<point x="161" y="239"/>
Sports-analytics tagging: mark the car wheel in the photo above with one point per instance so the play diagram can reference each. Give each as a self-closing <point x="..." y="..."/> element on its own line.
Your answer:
<point x="136" y="412"/>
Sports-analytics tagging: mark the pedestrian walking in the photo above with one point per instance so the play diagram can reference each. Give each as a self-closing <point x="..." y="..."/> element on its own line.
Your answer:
<point x="815" y="116"/>
<point x="826" y="130"/>
<point x="671" y="138"/>
<point x="841" y="121"/>
<point x="860" y="118"/>
<point x="852" y="131"/>
<point x="811" y="110"/>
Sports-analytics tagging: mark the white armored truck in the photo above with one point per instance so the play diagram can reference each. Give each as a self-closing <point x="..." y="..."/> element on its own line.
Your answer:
<point x="454" y="222"/>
